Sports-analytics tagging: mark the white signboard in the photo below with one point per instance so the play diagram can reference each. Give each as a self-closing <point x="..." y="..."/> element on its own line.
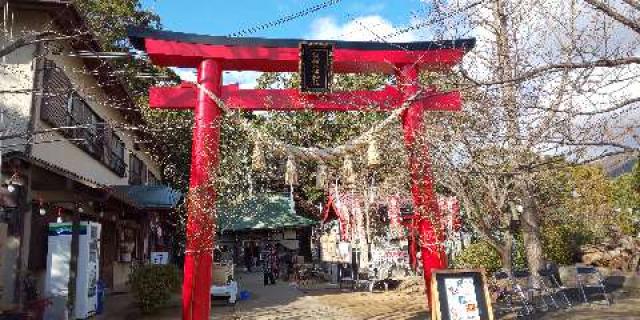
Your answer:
<point x="290" y="234"/>
<point x="159" y="257"/>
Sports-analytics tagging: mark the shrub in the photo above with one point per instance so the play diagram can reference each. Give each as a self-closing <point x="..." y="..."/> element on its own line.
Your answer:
<point x="479" y="255"/>
<point x="519" y="254"/>
<point x="561" y="242"/>
<point x="625" y="221"/>
<point x="557" y="244"/>
<point x="153" y="284"/>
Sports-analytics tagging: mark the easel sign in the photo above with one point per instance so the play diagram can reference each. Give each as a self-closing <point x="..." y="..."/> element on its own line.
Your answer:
<point x="460" y="294"/>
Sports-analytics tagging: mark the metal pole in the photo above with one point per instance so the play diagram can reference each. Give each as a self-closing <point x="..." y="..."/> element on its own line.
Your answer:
<point x="196" y="301"/>
<point x="422" y="189"/>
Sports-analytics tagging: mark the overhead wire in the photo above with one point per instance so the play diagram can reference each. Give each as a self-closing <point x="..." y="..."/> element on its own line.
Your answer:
<point x="284" y="19"/>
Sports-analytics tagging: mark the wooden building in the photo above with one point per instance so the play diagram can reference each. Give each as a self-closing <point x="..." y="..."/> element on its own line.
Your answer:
<point x="66" y="154"/>
<point x="268" y="218"/>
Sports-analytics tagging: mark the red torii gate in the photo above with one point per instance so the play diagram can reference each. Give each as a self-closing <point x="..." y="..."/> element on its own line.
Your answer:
<point x="211" y="55"/>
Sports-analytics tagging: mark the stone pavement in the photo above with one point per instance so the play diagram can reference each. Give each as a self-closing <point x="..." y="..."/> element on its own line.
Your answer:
<point x="284" y="302"/>
<point x="626" y="306"/>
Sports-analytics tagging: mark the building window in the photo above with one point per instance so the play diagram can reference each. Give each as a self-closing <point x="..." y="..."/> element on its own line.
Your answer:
<point x="86" y="128"/>
<point x="114" y="152"/>
<point x="57" y="90"/>
<point x="137" y="170"/>
<point x="151" y="179"/>
<point x="65" y="109"/>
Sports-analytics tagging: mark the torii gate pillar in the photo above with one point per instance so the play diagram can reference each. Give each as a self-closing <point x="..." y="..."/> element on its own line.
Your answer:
<point x="196" y="301"/>
<point x="422" y="190"/>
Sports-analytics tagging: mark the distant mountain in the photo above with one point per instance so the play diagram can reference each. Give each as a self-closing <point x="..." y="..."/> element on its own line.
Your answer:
<point x="617" y="165"/>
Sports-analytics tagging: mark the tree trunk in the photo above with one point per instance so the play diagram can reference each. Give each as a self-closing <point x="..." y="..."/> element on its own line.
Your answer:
<point x="531" y="233"/>
<point x="506" y="255"/>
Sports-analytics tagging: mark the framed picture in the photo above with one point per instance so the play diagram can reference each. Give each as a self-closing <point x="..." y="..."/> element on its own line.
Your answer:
<point x="460" y="294"/>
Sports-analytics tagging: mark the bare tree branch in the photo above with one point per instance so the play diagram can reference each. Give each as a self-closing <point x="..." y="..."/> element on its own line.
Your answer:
<point x="605" y="155"/>
<point x="613" y="108"/>
<point x="44" y="36"/>
<point x="595" y="144"/>
<point x="633" y="3"/>
<point x="558" y="67"/>
<point x="609" y="11"/>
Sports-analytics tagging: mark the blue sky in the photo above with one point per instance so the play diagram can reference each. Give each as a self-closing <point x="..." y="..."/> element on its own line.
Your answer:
<point x="222" y="17"/>
<point x="347" y="20"/>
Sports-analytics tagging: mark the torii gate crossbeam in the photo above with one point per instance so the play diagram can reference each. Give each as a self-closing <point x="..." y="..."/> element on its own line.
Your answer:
<point x="212" y="55"/>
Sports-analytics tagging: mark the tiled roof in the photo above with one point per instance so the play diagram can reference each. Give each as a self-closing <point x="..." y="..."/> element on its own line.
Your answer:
<point x="264" y="211"/>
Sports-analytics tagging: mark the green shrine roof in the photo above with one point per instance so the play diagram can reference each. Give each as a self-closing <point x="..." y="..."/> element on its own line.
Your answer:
<point x="264" y="211"/>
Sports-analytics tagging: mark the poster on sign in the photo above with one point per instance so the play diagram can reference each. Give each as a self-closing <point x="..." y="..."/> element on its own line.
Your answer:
<point x="460" y="295"/>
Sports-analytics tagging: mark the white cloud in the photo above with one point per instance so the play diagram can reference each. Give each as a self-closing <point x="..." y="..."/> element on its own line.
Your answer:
<point x="186" y="74"/>
<point x="365" y="28"/>
<point x="246" y="79"/>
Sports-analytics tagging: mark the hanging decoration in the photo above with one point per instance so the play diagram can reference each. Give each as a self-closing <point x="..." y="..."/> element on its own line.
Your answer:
<point x="321" y="175"/>
<point x="373" y="155"/>
<point x="348" y="172"/>
<point x="291" y="173"/>
<point x="306" y="153"/>
<point x="258" y="162"/>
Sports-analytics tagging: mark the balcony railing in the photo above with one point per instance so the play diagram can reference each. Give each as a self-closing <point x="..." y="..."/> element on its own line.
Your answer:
<point x="63" y="108"/>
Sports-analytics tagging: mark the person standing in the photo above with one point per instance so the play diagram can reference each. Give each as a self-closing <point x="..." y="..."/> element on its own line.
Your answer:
<point x="269" y="265"/>
<point x="253" y="253"/>
<point x="288" y="264"/>
<point x="248" y="257"/>
<point x="275" y="262"/>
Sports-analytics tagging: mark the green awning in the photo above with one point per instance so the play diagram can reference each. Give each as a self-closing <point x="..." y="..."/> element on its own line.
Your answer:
<point x="262" y="212"/>
<point x="147" y="196"/>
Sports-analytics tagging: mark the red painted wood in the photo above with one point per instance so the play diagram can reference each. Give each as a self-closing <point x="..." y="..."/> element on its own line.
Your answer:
<point x="269" y="59"/>
<point x="184" y="97"/>
<point x="422" y="189"/>
<point x="196" y="301"/>
<point x="413" y="247"/>
<point x="176" y="98"/>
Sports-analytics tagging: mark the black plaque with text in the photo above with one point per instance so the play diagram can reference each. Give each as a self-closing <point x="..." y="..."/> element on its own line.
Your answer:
<point x="315" y="67"/>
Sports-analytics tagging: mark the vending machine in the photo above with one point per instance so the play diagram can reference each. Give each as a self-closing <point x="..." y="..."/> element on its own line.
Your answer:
<point x="58" y="269"/>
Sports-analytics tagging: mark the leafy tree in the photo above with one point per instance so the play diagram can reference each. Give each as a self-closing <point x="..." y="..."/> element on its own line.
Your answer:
<point x="626" y="200"/>
<point x="328" y="129"/>
<point x="626" y="190"/>
<point x="585" y="203"/>
<point x="109" y="20"/>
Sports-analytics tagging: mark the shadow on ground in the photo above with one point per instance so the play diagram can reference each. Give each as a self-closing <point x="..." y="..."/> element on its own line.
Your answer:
<point x="285" y="302"/>
<point x="625" y="304"/>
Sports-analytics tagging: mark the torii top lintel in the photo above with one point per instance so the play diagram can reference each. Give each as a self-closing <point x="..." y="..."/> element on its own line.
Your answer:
<point x="282" y="55"/>
<point x="175" y="49"/>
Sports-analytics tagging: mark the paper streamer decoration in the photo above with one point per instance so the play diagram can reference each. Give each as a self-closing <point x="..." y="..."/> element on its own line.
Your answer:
<point x="291" y="173"/>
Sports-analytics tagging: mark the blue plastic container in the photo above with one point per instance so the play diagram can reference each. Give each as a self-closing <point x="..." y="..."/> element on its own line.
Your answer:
<point x="244" y="295"/>
<point x="100" y="293"/>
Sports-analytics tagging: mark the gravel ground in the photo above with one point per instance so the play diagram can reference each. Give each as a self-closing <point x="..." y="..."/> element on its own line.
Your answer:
<point x="284" y="302"/>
